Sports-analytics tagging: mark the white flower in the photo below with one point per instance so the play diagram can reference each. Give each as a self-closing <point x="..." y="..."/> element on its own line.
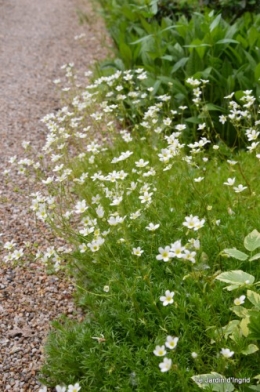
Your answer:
<point x="226" y="352"/>
<point x="83" y="248"/>
<point x="146" y="197"/>
<point x="106" y="289"/>
<point x="100" y="211"/>
<point x="230" y="181"/>
<point x="188" y="255"/>
<point x="141" y="163"/>
<point x="9" y="245"/>
<point x="168" y="298"/>
<point x="171" y="342"/>
<point x="240" y="300"/>
<point x="222" y="119"/>
<point x="152" y="227"/>
<point x="193" y="222"/>
<point x="165" y="254"/>
<point x="60" y="389"/>
<point x="81" y="207"/>
<point x="194" y="355"/>
<point x="137" y="251"/>
<point x="115" y="220"/>
<point x="74" y="388"/>
<point x="231" y="162"/>
<point x="135" y="214"/>
<point x="159" y="351"/>
<point x="239" y="188"/>
<point x="199" y="179"/>
<point x="229" y="96"/>
<point x="165" y="365"/>
<point x="176" y="249"/>
<point x="17" y="254"/>
<point x="193" y="82"/>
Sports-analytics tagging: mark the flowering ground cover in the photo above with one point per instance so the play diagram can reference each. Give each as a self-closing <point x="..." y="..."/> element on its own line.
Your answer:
<point x="162" y="240"/>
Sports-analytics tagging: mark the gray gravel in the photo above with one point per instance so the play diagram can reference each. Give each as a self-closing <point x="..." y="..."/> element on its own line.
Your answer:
<point x="36" y="39"/>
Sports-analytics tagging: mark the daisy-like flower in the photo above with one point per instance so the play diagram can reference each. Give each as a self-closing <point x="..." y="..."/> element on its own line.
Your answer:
<point x="137" y="251"/>
<point x="106" y="289"/>
<point x="81" y="207"/>
<point x="146" y="197"/>
<point x="239" y="188"/>
<point x="194" y="355"/>
<point x="9" y="245"/>
<point x="74" y="388"/>
<point x="193" y="222"/>
<point x="222" y="119"/>
<point x="188" y="255"/>
<point x="165" y="254"/>
<point x="115" y="220"/>
<point x="177" y="249"/>
<point x="159" y="351"/>
<point x="141" y="163"/>
<point x="230" y="181"/>
<point x="171" y="342"/>
<point x="226" y="352"/>
<point x="17" y="254"/>
<point x="165" y="365"/>
<point x="167" y="298"/>
<point x="152" y="227"/>
<point x="240" y="300"/>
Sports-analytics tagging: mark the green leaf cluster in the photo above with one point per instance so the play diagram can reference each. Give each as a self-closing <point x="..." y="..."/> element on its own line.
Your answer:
<point x="204" y="47"/>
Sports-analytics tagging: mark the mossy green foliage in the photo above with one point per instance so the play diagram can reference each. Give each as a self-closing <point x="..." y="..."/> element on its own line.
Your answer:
<point x="112" y="349"/>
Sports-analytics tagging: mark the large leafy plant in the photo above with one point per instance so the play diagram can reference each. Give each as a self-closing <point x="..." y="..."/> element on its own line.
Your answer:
<point x="204" y="47"/>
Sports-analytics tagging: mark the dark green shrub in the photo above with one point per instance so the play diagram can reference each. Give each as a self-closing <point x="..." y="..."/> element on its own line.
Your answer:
<point x="230" y="9"/>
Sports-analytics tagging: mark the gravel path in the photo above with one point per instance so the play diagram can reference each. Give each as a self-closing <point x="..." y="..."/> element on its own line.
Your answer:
<point x="36" y="38"/>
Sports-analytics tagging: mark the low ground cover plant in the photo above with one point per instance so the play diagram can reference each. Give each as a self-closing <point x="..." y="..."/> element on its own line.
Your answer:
<point x="205" y="46"/>
<point x="162" y="241"/>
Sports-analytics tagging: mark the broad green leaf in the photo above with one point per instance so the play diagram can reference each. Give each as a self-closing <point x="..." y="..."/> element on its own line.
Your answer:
<point x="179" y="64"/>
<point x="257" y="72"/>
<point x="143" y="39"/>
<point x="229" y="328"/>
<point x="236" y="279"/>
<point x="252" y="240"/>
<point x="254" y="298"/>
<point x="196" y="45"/>
<point x="227" y="41"/>
<point x="236" y="254"/>
<point x="204" y="381"/>
<point x="232" y="287"/>
<point x="255" y="257"/>
<point x="215" y="22"/>
<point x="193" y="120"/>
<point x="238" y="95"/>
<point x="244" y="326"/>
<point x="240" y="311"/>
<point x="254" y="387"/>
<point x="251" y="348"/>
<point x="194" y="64"/>
<point x="167" y="57"/>
<point x="154" y="7"/>
<point x="252" y="36"/>
<point x="212" y="107"/>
